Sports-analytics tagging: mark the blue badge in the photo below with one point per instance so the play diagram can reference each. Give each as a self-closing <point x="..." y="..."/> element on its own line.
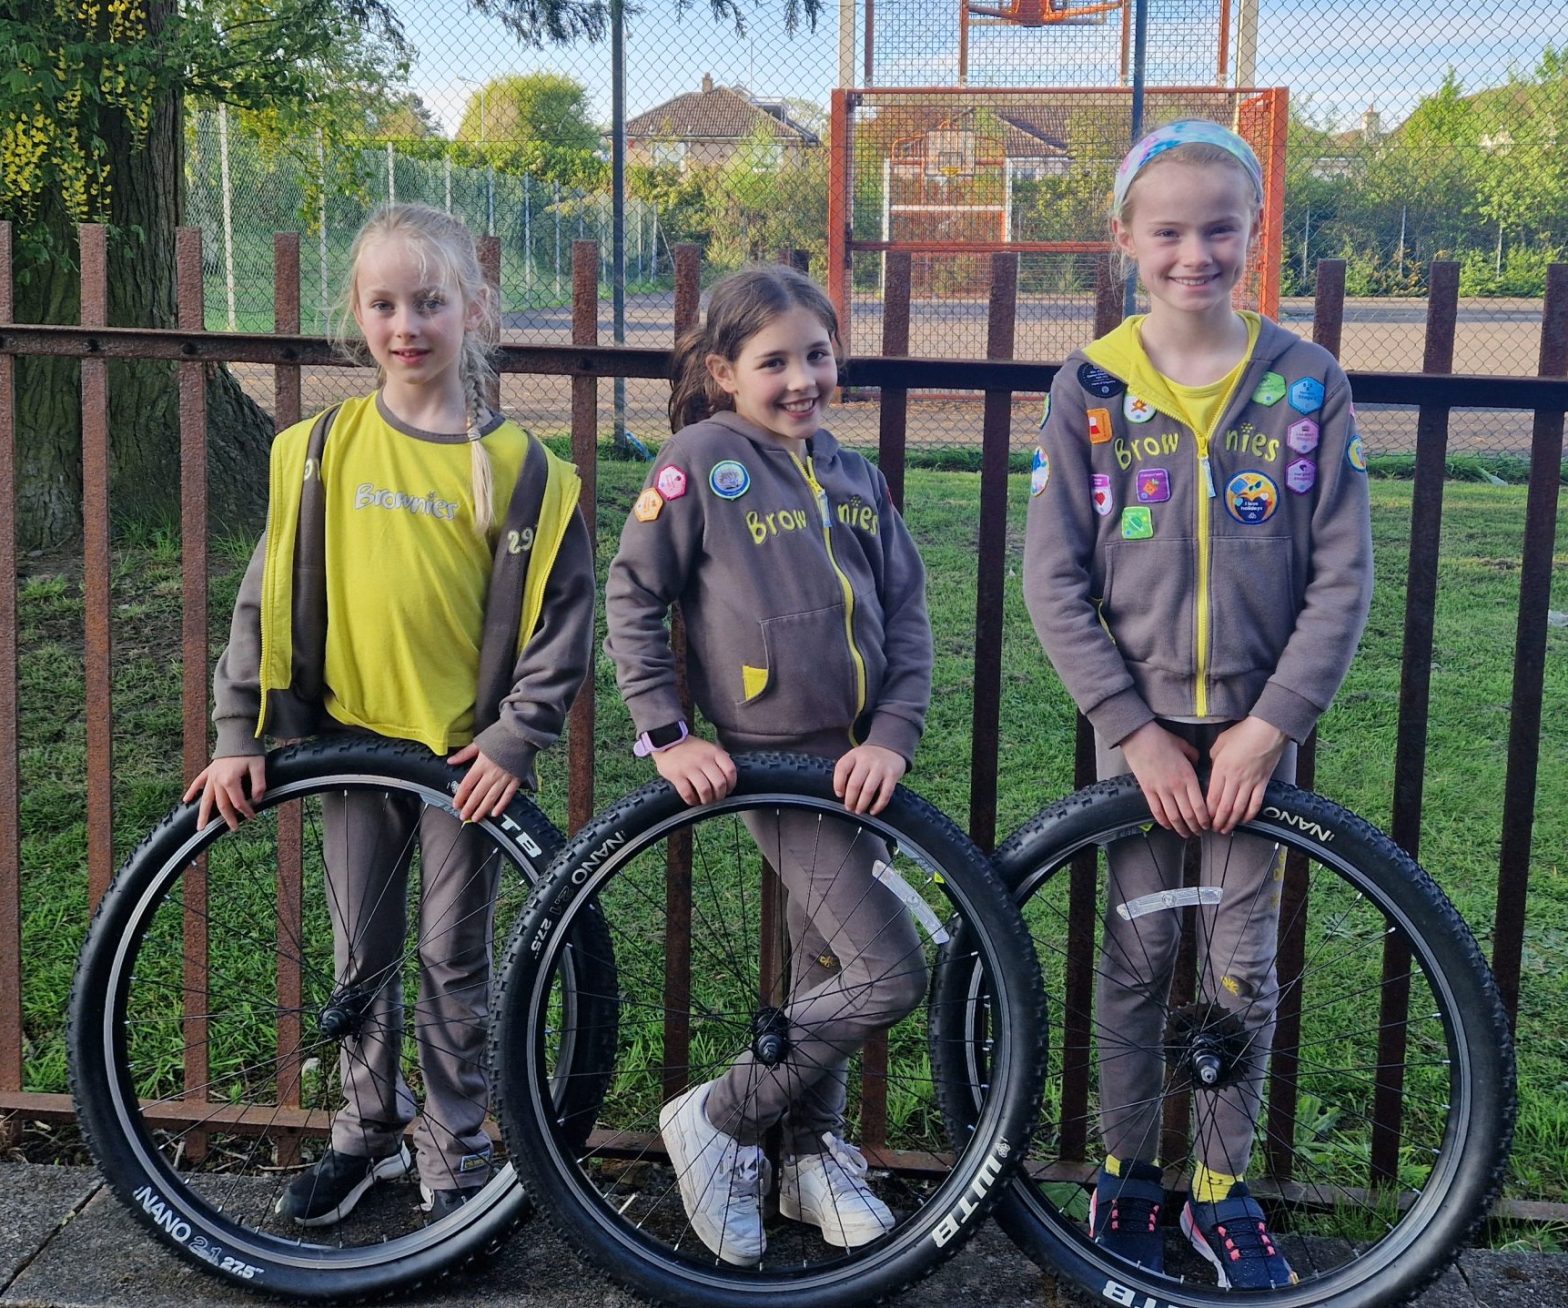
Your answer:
<point x="1097" y="381"/>
<point x="1039" y="471"/>
<point x="1306" y="395"/>
<point x="1356" y="453"/>
<point x="729" y="480"/>
<point x="1251" y="497"/>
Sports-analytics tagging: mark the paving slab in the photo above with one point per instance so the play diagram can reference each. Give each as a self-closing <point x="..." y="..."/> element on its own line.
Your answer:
<point x="34" y="1200"/>
<point x="65" y="1242"/>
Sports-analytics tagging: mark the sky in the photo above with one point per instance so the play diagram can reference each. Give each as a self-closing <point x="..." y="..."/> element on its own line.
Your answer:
<point x="1336" y="56"/>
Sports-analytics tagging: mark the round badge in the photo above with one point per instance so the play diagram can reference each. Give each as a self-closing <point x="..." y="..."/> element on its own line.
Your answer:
<point x="1039" y="471"/>
<point x="1251" y="497"/>
<point x="729" y="480"/>
<point x="1097" y="381"/>
<point x="1356" y="453"/>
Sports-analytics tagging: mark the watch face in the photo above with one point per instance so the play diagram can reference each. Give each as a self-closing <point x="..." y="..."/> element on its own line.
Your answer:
<point x="659" y="737"/>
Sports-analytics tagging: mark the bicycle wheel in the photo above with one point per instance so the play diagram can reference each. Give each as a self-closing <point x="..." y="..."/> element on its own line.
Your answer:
<point x="209" y="1037"/>
<point x="608" y="1184"/>
<point x="1381" y="1137"/>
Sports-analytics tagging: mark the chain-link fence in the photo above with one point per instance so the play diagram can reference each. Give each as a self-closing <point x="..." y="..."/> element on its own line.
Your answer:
<point x="1415" y="131"/>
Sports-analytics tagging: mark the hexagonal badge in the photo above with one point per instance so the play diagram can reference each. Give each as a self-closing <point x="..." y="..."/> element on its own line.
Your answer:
<point x="1306" y="395"/>
<point x="1271" y="390"/>
<point x="1302" y="436"/>
<point x="1301" y="476"/>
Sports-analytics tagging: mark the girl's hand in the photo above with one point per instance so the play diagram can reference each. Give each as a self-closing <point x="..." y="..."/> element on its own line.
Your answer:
<point x="1163" y="763"/>
<point x="229" y="785"/>
<point x="865" y="777"/>
<point x="487" y="788"/>
<point x="700" y="771"/>
<point x="1244" y="757"/>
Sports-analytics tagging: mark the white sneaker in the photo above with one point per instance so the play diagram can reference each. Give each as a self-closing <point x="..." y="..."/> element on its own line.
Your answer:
<point x="720" y="1178"/>
<point x="829" y="1190"/>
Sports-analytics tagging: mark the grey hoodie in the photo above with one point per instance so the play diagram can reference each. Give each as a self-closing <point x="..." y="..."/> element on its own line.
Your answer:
<point x="805" y="614"/>
<point x="1159" y="588"/>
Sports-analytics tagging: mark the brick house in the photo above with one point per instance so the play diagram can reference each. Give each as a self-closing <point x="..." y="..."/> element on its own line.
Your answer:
<point x="707" y="127"/>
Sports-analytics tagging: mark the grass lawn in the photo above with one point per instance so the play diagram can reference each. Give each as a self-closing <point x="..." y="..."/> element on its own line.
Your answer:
<point x="1471" y="685"/>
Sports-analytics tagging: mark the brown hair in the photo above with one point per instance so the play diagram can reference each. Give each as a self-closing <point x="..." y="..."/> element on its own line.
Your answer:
<point x="445" y="247"/>
<point x="739" y="306"/>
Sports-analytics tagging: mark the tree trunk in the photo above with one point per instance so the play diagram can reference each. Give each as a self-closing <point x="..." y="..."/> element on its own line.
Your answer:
<point x="146" y="205"/>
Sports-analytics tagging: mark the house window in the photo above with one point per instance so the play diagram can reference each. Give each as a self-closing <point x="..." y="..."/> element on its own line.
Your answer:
<point x="670" y="152"/>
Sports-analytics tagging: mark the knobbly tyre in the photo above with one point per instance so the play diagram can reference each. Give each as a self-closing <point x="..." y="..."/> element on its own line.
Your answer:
<point x="207" y="1032"/>
<point x="1390" y="1100"/>
<point x="936" y="1154"/>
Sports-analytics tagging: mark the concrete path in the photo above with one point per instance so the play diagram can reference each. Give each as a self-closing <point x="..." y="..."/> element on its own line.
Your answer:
<point x="66" y="1243"/>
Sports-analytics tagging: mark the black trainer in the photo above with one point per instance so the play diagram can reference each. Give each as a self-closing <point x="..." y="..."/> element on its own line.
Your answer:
<point x="1124" y="1215"/>
<point x="327" y="1192"/>
<point x="442" y="1203"/>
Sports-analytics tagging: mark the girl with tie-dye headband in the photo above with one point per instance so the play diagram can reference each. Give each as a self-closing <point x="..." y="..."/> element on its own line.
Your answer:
<point x="1198" y="568"/>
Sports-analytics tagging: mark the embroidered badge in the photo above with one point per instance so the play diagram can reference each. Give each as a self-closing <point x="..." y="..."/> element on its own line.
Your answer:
<point x="1099" y="426"/>
<point x="1097" y="381"/>
<point x="1100" y="488"/>
<point x="1045" y="409"/>
<point x="1251" y="497"/>
<point x="1356" y="453"/>
<point x="1271" y="390"/>
<point x="729" y="480"/>
<point x="1302" y="436"/>
<point x="1154" y="486"/>
<point x="1039" y="471"/>
<point x="1301" y="476"/>
<point x="1137" y="523"/>
<point x="671" y="482"/>
<point x="1136" y="410"/>
<point x="1306" y="395"/>
<point x="648" y="505"/>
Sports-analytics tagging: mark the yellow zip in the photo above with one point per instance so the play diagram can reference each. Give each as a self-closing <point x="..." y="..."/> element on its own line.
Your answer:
<point x="1201" y="608"/>
<point x="808" y="471"/>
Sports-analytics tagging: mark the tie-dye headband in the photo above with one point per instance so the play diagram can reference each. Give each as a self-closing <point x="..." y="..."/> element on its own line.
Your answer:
<point x="1189" y="131"/>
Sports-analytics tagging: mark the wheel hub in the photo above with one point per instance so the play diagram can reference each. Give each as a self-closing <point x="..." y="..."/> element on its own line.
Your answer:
<point x="1206" y="1046"/>
<point x="344" y="1013"/>
<point x="770" y="1036"/>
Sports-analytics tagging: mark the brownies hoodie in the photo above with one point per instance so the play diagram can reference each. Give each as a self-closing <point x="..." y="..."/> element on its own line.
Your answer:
<point x="1211" y="575"/>
<point x="802" y="592"/>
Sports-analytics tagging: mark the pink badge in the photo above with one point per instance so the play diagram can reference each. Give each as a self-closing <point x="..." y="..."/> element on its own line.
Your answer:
<point x="671" y="483"/>
<point x="1301" y="476"/>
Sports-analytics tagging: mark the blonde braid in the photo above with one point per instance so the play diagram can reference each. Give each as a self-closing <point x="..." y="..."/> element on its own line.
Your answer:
<point x="479" y="458"/>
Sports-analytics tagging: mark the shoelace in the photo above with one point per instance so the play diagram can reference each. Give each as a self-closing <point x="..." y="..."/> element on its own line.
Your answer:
<point x="1246" y="1237"/>
<point x="849" y="1159"/>
<point x="745" y="1180"/>
<point x="1134" y="1213"/>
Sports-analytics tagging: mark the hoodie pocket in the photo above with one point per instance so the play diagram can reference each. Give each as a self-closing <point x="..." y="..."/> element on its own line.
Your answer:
<point x="1254" y="603"/>
<point x="807" y="681"/>
<point x="1148" y="604"/>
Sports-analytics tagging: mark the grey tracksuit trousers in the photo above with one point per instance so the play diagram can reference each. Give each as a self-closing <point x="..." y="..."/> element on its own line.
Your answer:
<point x="370" y="841"/>
<point x="1236" y="948"/>
<point x="856" y="968"/>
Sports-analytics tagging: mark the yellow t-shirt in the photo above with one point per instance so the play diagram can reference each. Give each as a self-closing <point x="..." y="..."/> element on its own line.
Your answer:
<point x="1202" y="406"/>
<point x="407" y="578"/>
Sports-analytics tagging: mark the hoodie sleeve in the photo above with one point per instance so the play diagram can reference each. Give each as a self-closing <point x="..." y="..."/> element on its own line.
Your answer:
<point x="1059" y="544"/>
<point x="553" y="665"/>
<point x="899" y="715"/>
<point x="648" y="574"/>
<point x="236" y="682"/>
<point x="1339" y="587"/>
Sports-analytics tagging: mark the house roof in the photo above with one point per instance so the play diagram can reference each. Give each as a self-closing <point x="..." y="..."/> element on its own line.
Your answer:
<point x="717" y="113"/>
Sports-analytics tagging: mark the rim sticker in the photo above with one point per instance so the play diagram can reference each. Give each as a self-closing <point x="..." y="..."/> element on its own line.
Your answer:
<point x="1251" y="497"/>
<point x="729" y="480"/>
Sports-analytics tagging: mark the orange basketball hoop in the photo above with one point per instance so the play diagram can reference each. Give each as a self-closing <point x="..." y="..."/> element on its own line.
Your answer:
<point x="1042" y="13"/>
